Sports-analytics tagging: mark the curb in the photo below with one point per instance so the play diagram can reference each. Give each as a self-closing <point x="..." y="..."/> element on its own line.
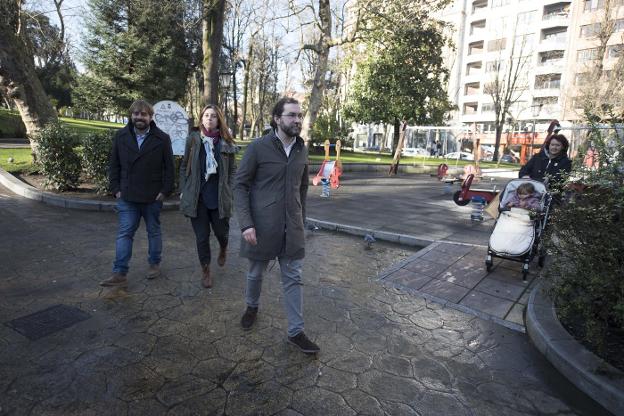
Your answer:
<point x="591" y="374"/>
<point x="49" y="198"/>
<point x="404" y="239"/>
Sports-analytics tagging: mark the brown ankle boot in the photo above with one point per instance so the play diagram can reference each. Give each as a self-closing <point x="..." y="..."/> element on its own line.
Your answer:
<point x="222" y="256"/>
<point x="206" y="279"/>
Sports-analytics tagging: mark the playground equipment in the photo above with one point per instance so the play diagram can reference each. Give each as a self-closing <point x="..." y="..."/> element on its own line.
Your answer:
<point x="465" y="194"/>
<point x="330" y="171"/>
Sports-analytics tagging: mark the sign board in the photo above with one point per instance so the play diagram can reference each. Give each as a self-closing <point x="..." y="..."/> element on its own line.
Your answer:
<point x="171" y="118"/>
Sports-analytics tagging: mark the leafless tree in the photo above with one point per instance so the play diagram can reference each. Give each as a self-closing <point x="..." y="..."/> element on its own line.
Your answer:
<point x="508" y="81"/>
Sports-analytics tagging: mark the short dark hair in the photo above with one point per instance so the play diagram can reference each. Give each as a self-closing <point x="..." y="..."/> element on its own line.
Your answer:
<point x="561" y="139"/>
<point x="142" y="105"/>
<point x="278" y="109"/>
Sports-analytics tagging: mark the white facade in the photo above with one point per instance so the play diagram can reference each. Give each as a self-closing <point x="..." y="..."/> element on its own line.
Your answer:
<point x="555" y="37"/>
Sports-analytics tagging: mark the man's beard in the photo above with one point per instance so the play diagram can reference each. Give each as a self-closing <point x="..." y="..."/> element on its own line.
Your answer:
<point x="293" y="130"/>
<point x="140" y="124"/>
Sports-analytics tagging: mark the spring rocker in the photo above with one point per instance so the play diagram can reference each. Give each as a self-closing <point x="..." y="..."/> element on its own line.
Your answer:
<point x="330" y="171"/>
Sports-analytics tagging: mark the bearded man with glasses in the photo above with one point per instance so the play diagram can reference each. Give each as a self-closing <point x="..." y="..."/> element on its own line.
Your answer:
<point x="270" y="192"/>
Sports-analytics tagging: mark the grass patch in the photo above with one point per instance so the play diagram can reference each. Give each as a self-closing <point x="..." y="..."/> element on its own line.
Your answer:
<point x="11" y="125"/>
<point x="22" y="160"/>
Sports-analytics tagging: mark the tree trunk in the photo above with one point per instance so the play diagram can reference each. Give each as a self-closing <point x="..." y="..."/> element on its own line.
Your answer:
<point x="248" y="62"/>
<point x="318" y="84"/>
<point x="499" y="133"/>
<point x="212" y="36"/>
<point x="20" y="83"/>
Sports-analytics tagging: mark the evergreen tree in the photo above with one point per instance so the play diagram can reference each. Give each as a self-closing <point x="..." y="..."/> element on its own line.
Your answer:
<point x="134" y="49"/>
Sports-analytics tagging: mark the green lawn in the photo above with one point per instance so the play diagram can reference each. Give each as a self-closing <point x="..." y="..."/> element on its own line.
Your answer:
<point x="11" y="124"/>
<point x="22" y="159"/>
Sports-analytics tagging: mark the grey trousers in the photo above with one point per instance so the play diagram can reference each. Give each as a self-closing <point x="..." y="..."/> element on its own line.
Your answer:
<point x="291" y="283"/>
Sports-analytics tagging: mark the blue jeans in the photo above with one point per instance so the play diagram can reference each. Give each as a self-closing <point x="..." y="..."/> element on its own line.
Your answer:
<point x="130" y="214"/>
<point x="291" y="284"/>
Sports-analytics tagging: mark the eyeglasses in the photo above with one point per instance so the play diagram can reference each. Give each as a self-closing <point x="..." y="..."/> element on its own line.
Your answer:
<point x="293" y="115"/>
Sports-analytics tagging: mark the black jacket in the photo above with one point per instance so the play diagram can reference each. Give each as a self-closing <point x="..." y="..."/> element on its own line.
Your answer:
<point x="541" y="165"/>
<point x="141" y="174"/>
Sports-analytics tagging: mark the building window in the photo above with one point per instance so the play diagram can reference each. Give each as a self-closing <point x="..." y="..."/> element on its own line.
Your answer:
<point x="472" y="88"/>
<point x="479" y="5"/>
<point x="545" y="101"/>
<point x="487" y="107"/>
<point x="550" y="58"/>
<point x="500" y="3"/>
<point x="475" y="48"/>
<point x="525" y="18"/>
<point x="590" y="31"/>
<point x="493" y="66"/>
<point x="615" y="51"/>
<point x="582" y="78"/>
<point x="477" y="27"/>
<point x="593" y="5"/>
<point x="524" y="44"/>
<point x="470" y="108"/>
<point x="473" y="68"/>
<point x="547" y="81"/>
<point x="496" y="45"/>
<point x="556" y="35"/>
<point x="619" y="25"/>
<point x="585" y="55"/>
<point x="556" y="11"/>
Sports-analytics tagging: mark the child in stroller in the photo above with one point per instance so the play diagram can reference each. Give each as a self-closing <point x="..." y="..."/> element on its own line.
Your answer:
<point x="523" y="213"/>
<point x="525" y="197"/>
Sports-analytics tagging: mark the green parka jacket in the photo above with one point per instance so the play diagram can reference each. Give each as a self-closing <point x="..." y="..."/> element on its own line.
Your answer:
<point x="190" y="180"/>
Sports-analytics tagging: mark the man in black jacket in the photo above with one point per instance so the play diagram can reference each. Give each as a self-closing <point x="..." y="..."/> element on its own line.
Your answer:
<point x="141" y="176"/>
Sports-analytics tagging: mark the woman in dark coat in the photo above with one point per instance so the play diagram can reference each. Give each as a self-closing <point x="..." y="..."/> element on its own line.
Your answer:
<point x="550" y="163"/>
<point x="206" y="175"/>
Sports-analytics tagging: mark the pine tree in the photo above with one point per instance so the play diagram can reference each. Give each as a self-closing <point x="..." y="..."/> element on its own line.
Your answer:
<point x="134" y="49"/>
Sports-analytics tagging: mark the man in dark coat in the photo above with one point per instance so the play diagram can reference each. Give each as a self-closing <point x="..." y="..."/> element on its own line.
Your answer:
<point x="270" y="192"/>
<point x="141" y="176"/>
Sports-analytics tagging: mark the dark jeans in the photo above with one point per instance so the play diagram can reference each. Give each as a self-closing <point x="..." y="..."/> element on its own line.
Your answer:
<point x="201" y="225"/>
<point x="130" y="214"/>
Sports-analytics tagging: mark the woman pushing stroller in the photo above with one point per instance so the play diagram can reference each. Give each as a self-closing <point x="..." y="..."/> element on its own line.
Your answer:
<point x="552" y="161"/>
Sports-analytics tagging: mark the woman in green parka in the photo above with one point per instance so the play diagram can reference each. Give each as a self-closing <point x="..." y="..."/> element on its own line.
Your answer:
<point x="206" y="177"/>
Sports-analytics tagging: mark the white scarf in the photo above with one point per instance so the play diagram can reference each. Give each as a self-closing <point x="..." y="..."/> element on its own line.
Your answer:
<point x="211" y="162"/>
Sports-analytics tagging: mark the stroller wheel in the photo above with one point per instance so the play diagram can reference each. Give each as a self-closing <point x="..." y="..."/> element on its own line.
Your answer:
<point x="525" y="272"/>
<point x="541" y="259"/>
<point x="488" y="266"/>
<point x="457" y="201"/>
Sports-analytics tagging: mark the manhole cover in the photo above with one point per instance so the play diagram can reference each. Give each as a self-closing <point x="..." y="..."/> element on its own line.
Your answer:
<point x="47" y="321"/>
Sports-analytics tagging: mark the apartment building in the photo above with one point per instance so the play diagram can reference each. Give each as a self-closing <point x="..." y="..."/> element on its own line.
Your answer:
<point x="557" y="39"/>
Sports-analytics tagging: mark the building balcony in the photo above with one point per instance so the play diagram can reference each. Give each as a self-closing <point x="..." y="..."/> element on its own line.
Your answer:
<point x="550" y="66"/>
<point x="546" y="92"/>
<point x="553" y="44"/>
<point x="555" y="20"/>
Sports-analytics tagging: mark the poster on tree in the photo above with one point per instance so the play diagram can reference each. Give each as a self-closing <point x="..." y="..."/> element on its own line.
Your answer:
<point x="171" y="118"/>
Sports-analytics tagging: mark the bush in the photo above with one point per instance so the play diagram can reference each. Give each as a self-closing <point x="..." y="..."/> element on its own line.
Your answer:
<point x="96" y="148"/>
<point x="56" y="158"/>
<point x="586" y="245"/>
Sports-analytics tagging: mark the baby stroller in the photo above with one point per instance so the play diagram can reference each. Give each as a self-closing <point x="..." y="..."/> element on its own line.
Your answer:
<point x="517" y="232"/>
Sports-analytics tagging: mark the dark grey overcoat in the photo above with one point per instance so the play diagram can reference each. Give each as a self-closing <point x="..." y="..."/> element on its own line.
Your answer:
<point x="270" y="192"/>
<point x="190" y="180"/>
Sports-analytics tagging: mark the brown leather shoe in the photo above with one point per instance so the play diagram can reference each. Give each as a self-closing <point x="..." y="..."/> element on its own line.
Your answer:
<point x="153" y="272"/>
<point x="116" y="280"/>
<point x="206" y="279"/>
<point x="222" y="256"/>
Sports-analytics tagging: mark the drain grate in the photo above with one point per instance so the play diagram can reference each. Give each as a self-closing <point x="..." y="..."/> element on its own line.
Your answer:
<point x="48" y="321"/>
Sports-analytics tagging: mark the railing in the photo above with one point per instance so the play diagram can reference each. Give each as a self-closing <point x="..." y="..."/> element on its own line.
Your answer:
<point x="557" y="15"/>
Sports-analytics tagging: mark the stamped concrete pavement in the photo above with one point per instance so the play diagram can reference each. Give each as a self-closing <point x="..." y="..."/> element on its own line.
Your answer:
<point x="170" y="347"/>
<point x="418" y="209"/>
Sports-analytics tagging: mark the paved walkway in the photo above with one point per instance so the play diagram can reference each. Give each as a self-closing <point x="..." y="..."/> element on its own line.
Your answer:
<point x="451" y="269"/>
<point x="170" y="347"/>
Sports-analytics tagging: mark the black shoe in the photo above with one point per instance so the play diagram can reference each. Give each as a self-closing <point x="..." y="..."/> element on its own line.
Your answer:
<point x="249" y="317"/>
<point x="304" y="344"/>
